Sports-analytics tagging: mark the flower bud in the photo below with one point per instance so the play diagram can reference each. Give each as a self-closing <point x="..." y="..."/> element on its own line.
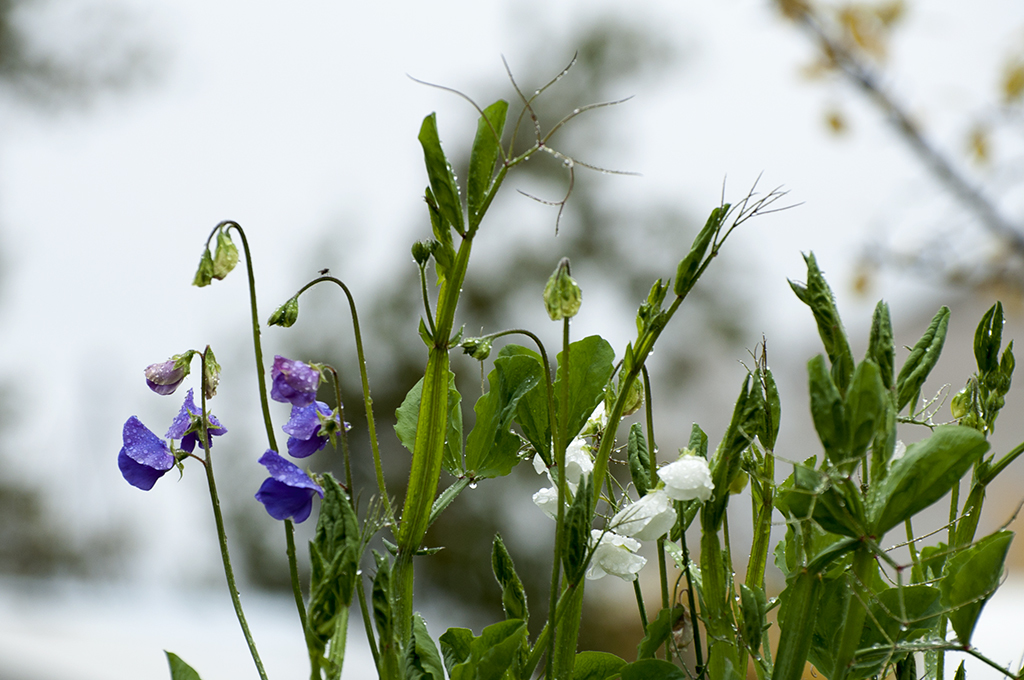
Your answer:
<point x="211" y="373"/>
<point x="634" y="399"/>
<point x="478" y="348"/>
<point x="204" y="274"/>
<point x="961" y="403"/>
<point x="226" y="257"/>
<point x="286" y="314"/>
<point x="688" y="478"/>
<point x="164" y="378"/>
<point x="562" y="297"/>
<point x="422" y="250"/>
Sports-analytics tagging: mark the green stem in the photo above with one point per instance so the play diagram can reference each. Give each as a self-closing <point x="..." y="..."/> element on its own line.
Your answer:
<point x="652" y="457"/>
<point x="853" y="629"/>
<point x="222" y="536"/>
<point x="261" y="378"/>
<point x="698" y="654"/>
<point x="371" y="426"/>
<point x="343" y="435"/>
<point x="557" y="663"/>
<point x="426" y="300"/>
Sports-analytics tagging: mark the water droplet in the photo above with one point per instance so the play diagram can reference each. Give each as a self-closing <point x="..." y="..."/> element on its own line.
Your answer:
<point x="472" y="485"/>
<point x="575" y="111"/>
<point x="536" y="92"/>
<point x="359" y="572"/>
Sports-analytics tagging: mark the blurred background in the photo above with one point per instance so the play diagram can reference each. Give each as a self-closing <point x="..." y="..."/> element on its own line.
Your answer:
<point x="131" y="128"/>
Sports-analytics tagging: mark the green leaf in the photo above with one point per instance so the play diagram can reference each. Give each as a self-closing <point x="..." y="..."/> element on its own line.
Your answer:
<point x="828" y="411"/>
<point x="492" y="450"/>
<point x="486" y="149"/>
<point x="921" y="360"/>
<point x="754" y="607"/>
<point x="970" y="578"/>
<point x="639" y="460"/>
<point x="659" y="630"/>
<point x="596" y="666"/>
<point x="817" y="295"/>
<point x="925" y="473"/>
<point x="897" y="615"/>
<point x="773" y="409"/>
<point x="334" y="561"/>
<point x="801" y="596"/>
<point x="652" y="669"/>
<point x="961" y="672"/>
<point x="532" y="410"/>
<point x="988" y="338"/>
<point x="881" y="346"/>
<point x="422" y="660"/>
<point x="590" y="366"/>
<point x="513" y="595"/>
<point x="490" y="655"/>
<point x="686" y="272"/>
<point x="725" y="465"/>
<point x="698" y="441"/>
<point x="455" y="647"/>
<point x="407" y="417"/>
<point x="380" y="598"/>
<point x="865" y="406"/>
<point x="179" y="669"/>
<point x="577" y="531"/>
<point x="442" y="178"/>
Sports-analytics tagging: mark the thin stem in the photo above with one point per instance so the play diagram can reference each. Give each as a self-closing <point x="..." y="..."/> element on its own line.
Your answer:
<point x="689" y="594"/>
<point x="345" y="454"/>
<point x="371" y="426"/>
<point x="556" y="662"/>
<point x="426" y="300"/>
<point x="289" y="526"/>
<point x="652" y="456"/>
<point x="222" y="536"/>
<point x="640" y="603"/>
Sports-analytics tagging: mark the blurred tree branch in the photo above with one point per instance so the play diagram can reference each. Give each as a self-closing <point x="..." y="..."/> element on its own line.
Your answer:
<point x="852" y="39"/>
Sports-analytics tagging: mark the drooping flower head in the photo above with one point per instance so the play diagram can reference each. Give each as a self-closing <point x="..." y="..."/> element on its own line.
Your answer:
<point x="688" y="478"/>
<point x="288" y="492"/>
<point x="144" y="458"/>
<point x="615" y="555"/>
<point x="647" y="519"/>
<point x="188" y="424"/>
<point x="307" y="428"/>
<point x="164" y="377"/>
<point x="293" y="382"/>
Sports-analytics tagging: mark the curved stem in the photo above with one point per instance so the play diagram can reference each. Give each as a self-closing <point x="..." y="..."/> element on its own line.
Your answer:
<point x="345" y="454"/>
<point x="426" y="300"/>
<point x="289" y="526"/>
<point x="371" y="426"/>
<point x="222" y="534"/>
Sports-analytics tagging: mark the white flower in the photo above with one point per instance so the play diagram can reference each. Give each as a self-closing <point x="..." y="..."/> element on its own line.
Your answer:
<point x="547" y="500"/>
<point x="687" y="479"/>
<point x="615" y="555"/>
<point x="577" y="462"/>
<point x="647" y="519"/>
<point x="597" y="421"/>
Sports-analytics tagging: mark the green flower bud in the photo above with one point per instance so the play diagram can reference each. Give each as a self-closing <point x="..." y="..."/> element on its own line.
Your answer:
<point x="422" y="250"/>
<point x="960" y="405"/>
<point x="226" y="257"/>
<point x="211" y="373"/>
<point x="634" y="400"/>
<point x="478" y="348"/>
<point x="204" y="274"/>
<point x="286" y="314"/>
<point x="562" y="296"/>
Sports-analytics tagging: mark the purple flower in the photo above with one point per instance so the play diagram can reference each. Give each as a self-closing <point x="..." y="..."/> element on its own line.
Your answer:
<point x="186" y="425"/>
<point x="144" y="458"/>
<point x="293" y="382"/>
<point x="306" y="428"/>
<point x="289" y="491"/>
<point x="164" y="378"/>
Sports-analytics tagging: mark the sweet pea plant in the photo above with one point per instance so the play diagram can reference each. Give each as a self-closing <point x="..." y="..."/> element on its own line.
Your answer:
<point x="848" y="604"/>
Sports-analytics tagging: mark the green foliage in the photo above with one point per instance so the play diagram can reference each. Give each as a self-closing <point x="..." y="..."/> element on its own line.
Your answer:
<point x="969" y="579"/>
<point x="422" y="660"/>
<point x="485" y="153"/>
<point x="179" y="669"/>
<point x="513" y="595"/>
<point x="922" y="359"/>
<point x="596" y="666"/>
<point x="639" y="460"/>
<point x="590" y="366"/>
<point x="406" y="419"/>
<point x="659" y="630"/>
<point x="486" y="657"/>
<point x="442" y="178"/>
<point x="817" y="295"/>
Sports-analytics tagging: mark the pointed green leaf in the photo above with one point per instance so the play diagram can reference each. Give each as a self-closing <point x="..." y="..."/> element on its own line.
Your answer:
<point x="422" y="660"/>
<point x="486" y="149"/>
<point x="970" y="578"/>
<point x="988" y="338"/>
<point x="881" y="346"/>
<point x="725" y="464"/>
<point x="204" y="273"/>
<point x="639" y="460"/>
<point x="921" y="360"/>
<point x="686" y="272"/>
<point x="590" y="366"/>
<point x="513" y="595"/>
<point x="596" y="666"/>
<point x="773" y="410"/>
<point x="532" y="410"/>
<point x="698" y="441"/>
<point x="179" y="669"/>
<point x="754" y="607"/>
<point x="925" y="473"/>
<point x="653" y="669"/>
<point x="489" y="656"/>
<point x="828" y="411"/>
<point x="817" y="295"/>
<point x="865" y="406"/>
<point x="442" y="178"/>
<point x="492" y="449"/>
<point x="226" y="256"/>
<point x="577" y="531"/>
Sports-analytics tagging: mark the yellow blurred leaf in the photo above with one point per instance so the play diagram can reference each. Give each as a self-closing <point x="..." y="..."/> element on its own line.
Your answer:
<point x="836" y="121"/>
<point x="1013" y="81"/>
<point x="978" y="144"/>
